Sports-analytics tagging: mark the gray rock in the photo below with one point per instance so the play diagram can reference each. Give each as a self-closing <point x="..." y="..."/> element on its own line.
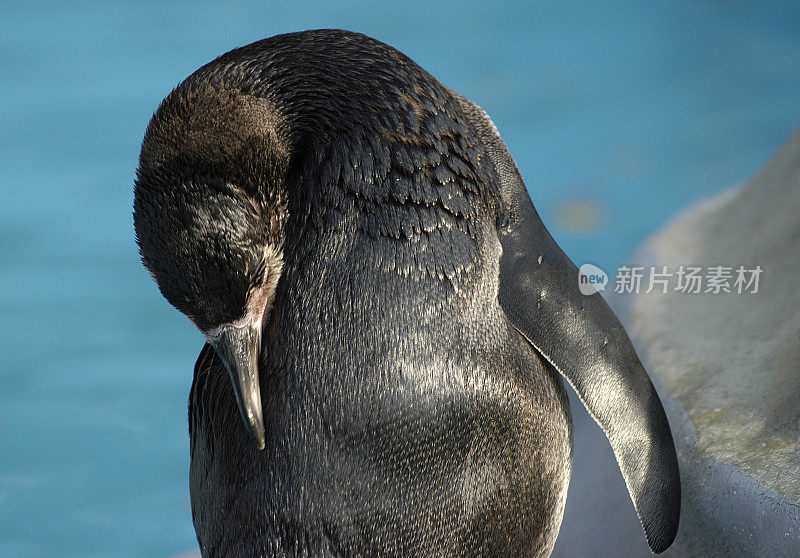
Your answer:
<point x="728" y="365"/>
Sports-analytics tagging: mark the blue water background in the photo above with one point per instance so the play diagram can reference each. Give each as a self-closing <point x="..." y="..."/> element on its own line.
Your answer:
<point x="618" y="113"/>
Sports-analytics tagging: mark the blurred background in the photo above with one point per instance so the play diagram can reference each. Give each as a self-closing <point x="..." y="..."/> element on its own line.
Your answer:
<point x="619" y="114"/>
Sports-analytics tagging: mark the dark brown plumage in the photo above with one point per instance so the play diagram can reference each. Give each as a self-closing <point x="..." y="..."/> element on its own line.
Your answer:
<point x="355" y="241"/>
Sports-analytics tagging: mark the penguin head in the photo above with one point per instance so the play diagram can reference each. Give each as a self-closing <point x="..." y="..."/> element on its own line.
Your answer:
<point x="209" y="217"/>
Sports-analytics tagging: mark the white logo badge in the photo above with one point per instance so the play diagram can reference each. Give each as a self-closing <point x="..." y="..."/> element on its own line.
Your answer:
<point x="591" y="279"/>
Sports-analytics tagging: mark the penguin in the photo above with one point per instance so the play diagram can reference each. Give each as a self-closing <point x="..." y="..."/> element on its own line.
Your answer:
<point x="388" y="322"/>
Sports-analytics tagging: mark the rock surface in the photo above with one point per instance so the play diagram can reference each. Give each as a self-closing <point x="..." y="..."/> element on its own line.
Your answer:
<point x="728" y="364"/>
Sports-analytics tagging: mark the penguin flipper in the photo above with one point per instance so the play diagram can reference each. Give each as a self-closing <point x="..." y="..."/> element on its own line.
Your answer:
<point x="583" y="339"/>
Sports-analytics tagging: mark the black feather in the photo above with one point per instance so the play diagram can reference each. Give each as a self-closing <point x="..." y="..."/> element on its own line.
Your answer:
<point x="404" y="413"/>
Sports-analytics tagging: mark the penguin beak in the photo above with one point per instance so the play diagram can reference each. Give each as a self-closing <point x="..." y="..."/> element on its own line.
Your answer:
<point x="239" y="347"/>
